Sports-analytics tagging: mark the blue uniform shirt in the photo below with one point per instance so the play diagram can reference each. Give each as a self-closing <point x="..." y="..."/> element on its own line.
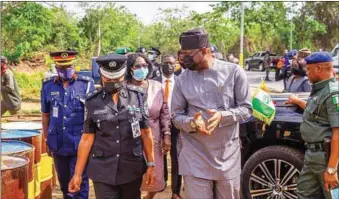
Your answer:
<point x="66" y="109"/>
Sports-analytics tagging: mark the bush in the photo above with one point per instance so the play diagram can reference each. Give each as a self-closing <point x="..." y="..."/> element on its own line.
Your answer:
<point x="29" y="85"/>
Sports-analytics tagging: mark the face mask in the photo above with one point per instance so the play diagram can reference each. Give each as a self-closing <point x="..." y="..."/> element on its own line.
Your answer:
<point x="140" y="74"/>
<point x="66" y="73"/>
<point x="189" y="63"/>
<point x="113" y="87"/>
<point x="151" y="57"/>
<point x="168" y="69"/>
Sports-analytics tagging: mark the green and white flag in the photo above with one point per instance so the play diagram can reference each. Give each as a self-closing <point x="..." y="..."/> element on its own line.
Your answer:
<point x="263" y="107"/>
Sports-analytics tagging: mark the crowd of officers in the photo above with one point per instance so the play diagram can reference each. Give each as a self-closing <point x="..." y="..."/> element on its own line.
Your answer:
<point x="118" y="135"/>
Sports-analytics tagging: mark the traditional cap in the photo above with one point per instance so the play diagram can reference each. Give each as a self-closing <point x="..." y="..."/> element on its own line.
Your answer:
<point x="141" y="50"/>
<point x="304" y="53"/>
<point x="194" y="39"/>
<point x="318" y="57"/>
<point x="123" y="51"/>
<point x="155" y="50"/>
<point x="112" y="66"/>
<point x="63" y="58"/>
<point x="3" y="59"/>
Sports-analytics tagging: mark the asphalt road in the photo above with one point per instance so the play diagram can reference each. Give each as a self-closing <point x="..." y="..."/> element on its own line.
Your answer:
<point x="254" y="78"/>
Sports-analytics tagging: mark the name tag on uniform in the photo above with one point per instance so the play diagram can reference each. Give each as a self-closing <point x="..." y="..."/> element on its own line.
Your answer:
<point x="136" y="129"/>
<point x="55" y="93"/>
<point x="55" y="111"/>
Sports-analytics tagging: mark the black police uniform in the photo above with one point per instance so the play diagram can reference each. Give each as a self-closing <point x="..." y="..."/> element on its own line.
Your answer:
<point x="116" y="163"/>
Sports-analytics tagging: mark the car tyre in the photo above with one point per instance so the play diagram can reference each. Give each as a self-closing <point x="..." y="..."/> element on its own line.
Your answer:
<point x="258" y="184"/>
<point x="247" y="66"/>
<point x="261" y="67"/>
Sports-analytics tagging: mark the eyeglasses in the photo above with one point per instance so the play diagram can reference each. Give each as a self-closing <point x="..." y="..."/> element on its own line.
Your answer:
<point x="137" y="66"/>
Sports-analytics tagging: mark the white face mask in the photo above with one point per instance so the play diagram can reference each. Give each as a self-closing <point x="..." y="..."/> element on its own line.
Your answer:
<point x="150" y="57"/>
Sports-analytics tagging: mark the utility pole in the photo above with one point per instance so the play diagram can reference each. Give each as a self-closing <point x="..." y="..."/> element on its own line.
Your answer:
<point x="241" y="56"/>
<point x="291" y="35"/>
<point x="99" y="42"/>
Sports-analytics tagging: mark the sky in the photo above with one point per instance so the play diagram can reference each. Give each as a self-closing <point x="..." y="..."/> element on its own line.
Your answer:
<point x="145" y="11"/>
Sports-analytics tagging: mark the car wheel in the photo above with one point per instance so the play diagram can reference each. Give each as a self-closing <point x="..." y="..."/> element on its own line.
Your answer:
<point x="247" y="67"/>
<point x="261" y="67"/>
<point x="272" y="172"/>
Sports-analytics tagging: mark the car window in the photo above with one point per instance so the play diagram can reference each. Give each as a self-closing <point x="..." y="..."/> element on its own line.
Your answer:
<point x="335" y="52"/>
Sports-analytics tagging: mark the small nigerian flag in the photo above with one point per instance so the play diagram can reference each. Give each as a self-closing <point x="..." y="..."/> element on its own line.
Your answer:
<point x="263" y="107"/>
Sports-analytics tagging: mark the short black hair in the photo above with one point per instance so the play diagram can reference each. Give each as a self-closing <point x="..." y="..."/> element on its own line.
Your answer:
<point x="131" y="61"/>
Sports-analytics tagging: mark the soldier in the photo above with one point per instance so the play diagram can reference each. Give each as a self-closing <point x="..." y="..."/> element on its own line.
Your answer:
<point x="62" y="107"/>
<point x="153" y="54"/>
<point x="116" y="133"/>
<point x="11" y="100"/>
<point x="319" y="129"/>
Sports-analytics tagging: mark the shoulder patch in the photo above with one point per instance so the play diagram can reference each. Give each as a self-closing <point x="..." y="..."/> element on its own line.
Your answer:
<point x="92" y="94"/>
<point x="135" y="88"/>
<point x="45" y="80"/>
<point x="85" y="78"/>
<point x="334" y="86"/>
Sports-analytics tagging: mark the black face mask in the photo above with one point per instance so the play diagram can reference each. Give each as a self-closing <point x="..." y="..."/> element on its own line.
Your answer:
<point x="189" y="63"/>
<point x="168" y="69"/>
<point x="113" y="87"/>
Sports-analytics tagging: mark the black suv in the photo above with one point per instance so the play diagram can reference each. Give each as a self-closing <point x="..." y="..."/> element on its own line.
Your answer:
<point x="272" y="156"/>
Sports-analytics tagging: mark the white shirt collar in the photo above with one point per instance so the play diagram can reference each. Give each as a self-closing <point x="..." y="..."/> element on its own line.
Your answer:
<point x="165" y="78"/>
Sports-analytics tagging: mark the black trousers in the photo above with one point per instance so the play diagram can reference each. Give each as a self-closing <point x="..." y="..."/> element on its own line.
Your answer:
<point x="129" y="190"/>
<point x="176" y="178"/>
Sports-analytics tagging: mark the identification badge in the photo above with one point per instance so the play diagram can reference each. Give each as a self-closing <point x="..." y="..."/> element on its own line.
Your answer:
<point x="55" y="111"/>
<point x="136" y="129"/>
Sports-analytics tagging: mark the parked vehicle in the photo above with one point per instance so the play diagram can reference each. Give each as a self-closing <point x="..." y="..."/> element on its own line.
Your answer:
<point x="335" y="54"/>
<point x="257" y="61"/>
<point x="272" y="156"/>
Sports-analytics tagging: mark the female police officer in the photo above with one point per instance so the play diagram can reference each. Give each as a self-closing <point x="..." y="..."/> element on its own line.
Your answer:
<point x="116" y="132"/>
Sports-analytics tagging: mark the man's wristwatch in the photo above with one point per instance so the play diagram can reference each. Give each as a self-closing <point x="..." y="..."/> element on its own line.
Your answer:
<point x="150" y="164"/>
<point x="331" y="171"/>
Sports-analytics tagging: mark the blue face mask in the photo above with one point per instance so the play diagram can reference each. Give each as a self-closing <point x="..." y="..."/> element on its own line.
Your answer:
<point x="140" y="74"/>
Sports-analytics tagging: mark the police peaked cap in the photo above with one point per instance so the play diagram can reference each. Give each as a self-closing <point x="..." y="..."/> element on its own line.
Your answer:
<point x="194" y="39"/>
<point x="318" y="57"/>
<point x="157" y="51"/>
<point x="63" y="58"/>
<point x="112" y="66"/>
<point x="141" y="50"/>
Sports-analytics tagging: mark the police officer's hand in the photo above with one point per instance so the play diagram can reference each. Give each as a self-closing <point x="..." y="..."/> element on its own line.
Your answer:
<point x="150" y="176"/>
<point x="330" y="181"/>
<point x="214" y="121"/>
<point x="48" y="151"/>
<point x="74" y="184"/>
<point x="200" y="124"/>
<point x="292" y="99"/>
<point x="166" y="144"/>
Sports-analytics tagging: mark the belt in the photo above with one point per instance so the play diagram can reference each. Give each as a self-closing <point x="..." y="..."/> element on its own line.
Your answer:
<point x="315" y="146"/>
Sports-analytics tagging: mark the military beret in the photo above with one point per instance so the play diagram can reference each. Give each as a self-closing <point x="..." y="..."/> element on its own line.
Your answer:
<point x="123" y="50"/>
<point x="141" y="50"/>
<point x="318" y="57"/>
<point x="112" y="66"/>
<point x="63" y="58"/>
<point x="194" y="39"/>
<point x="155" y="50"/>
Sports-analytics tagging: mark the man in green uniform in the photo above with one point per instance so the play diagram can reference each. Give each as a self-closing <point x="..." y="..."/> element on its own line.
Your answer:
<point x="320" y="130"/>
<point x="11" y="100"/>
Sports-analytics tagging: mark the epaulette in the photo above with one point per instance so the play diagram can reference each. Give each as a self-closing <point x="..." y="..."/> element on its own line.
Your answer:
<point x="85" y="78"/>
<point x="333" y="86"/>
<point x="47" y="79"/>
<point x="92" y="94"/>
<point x="135" y="88"/>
